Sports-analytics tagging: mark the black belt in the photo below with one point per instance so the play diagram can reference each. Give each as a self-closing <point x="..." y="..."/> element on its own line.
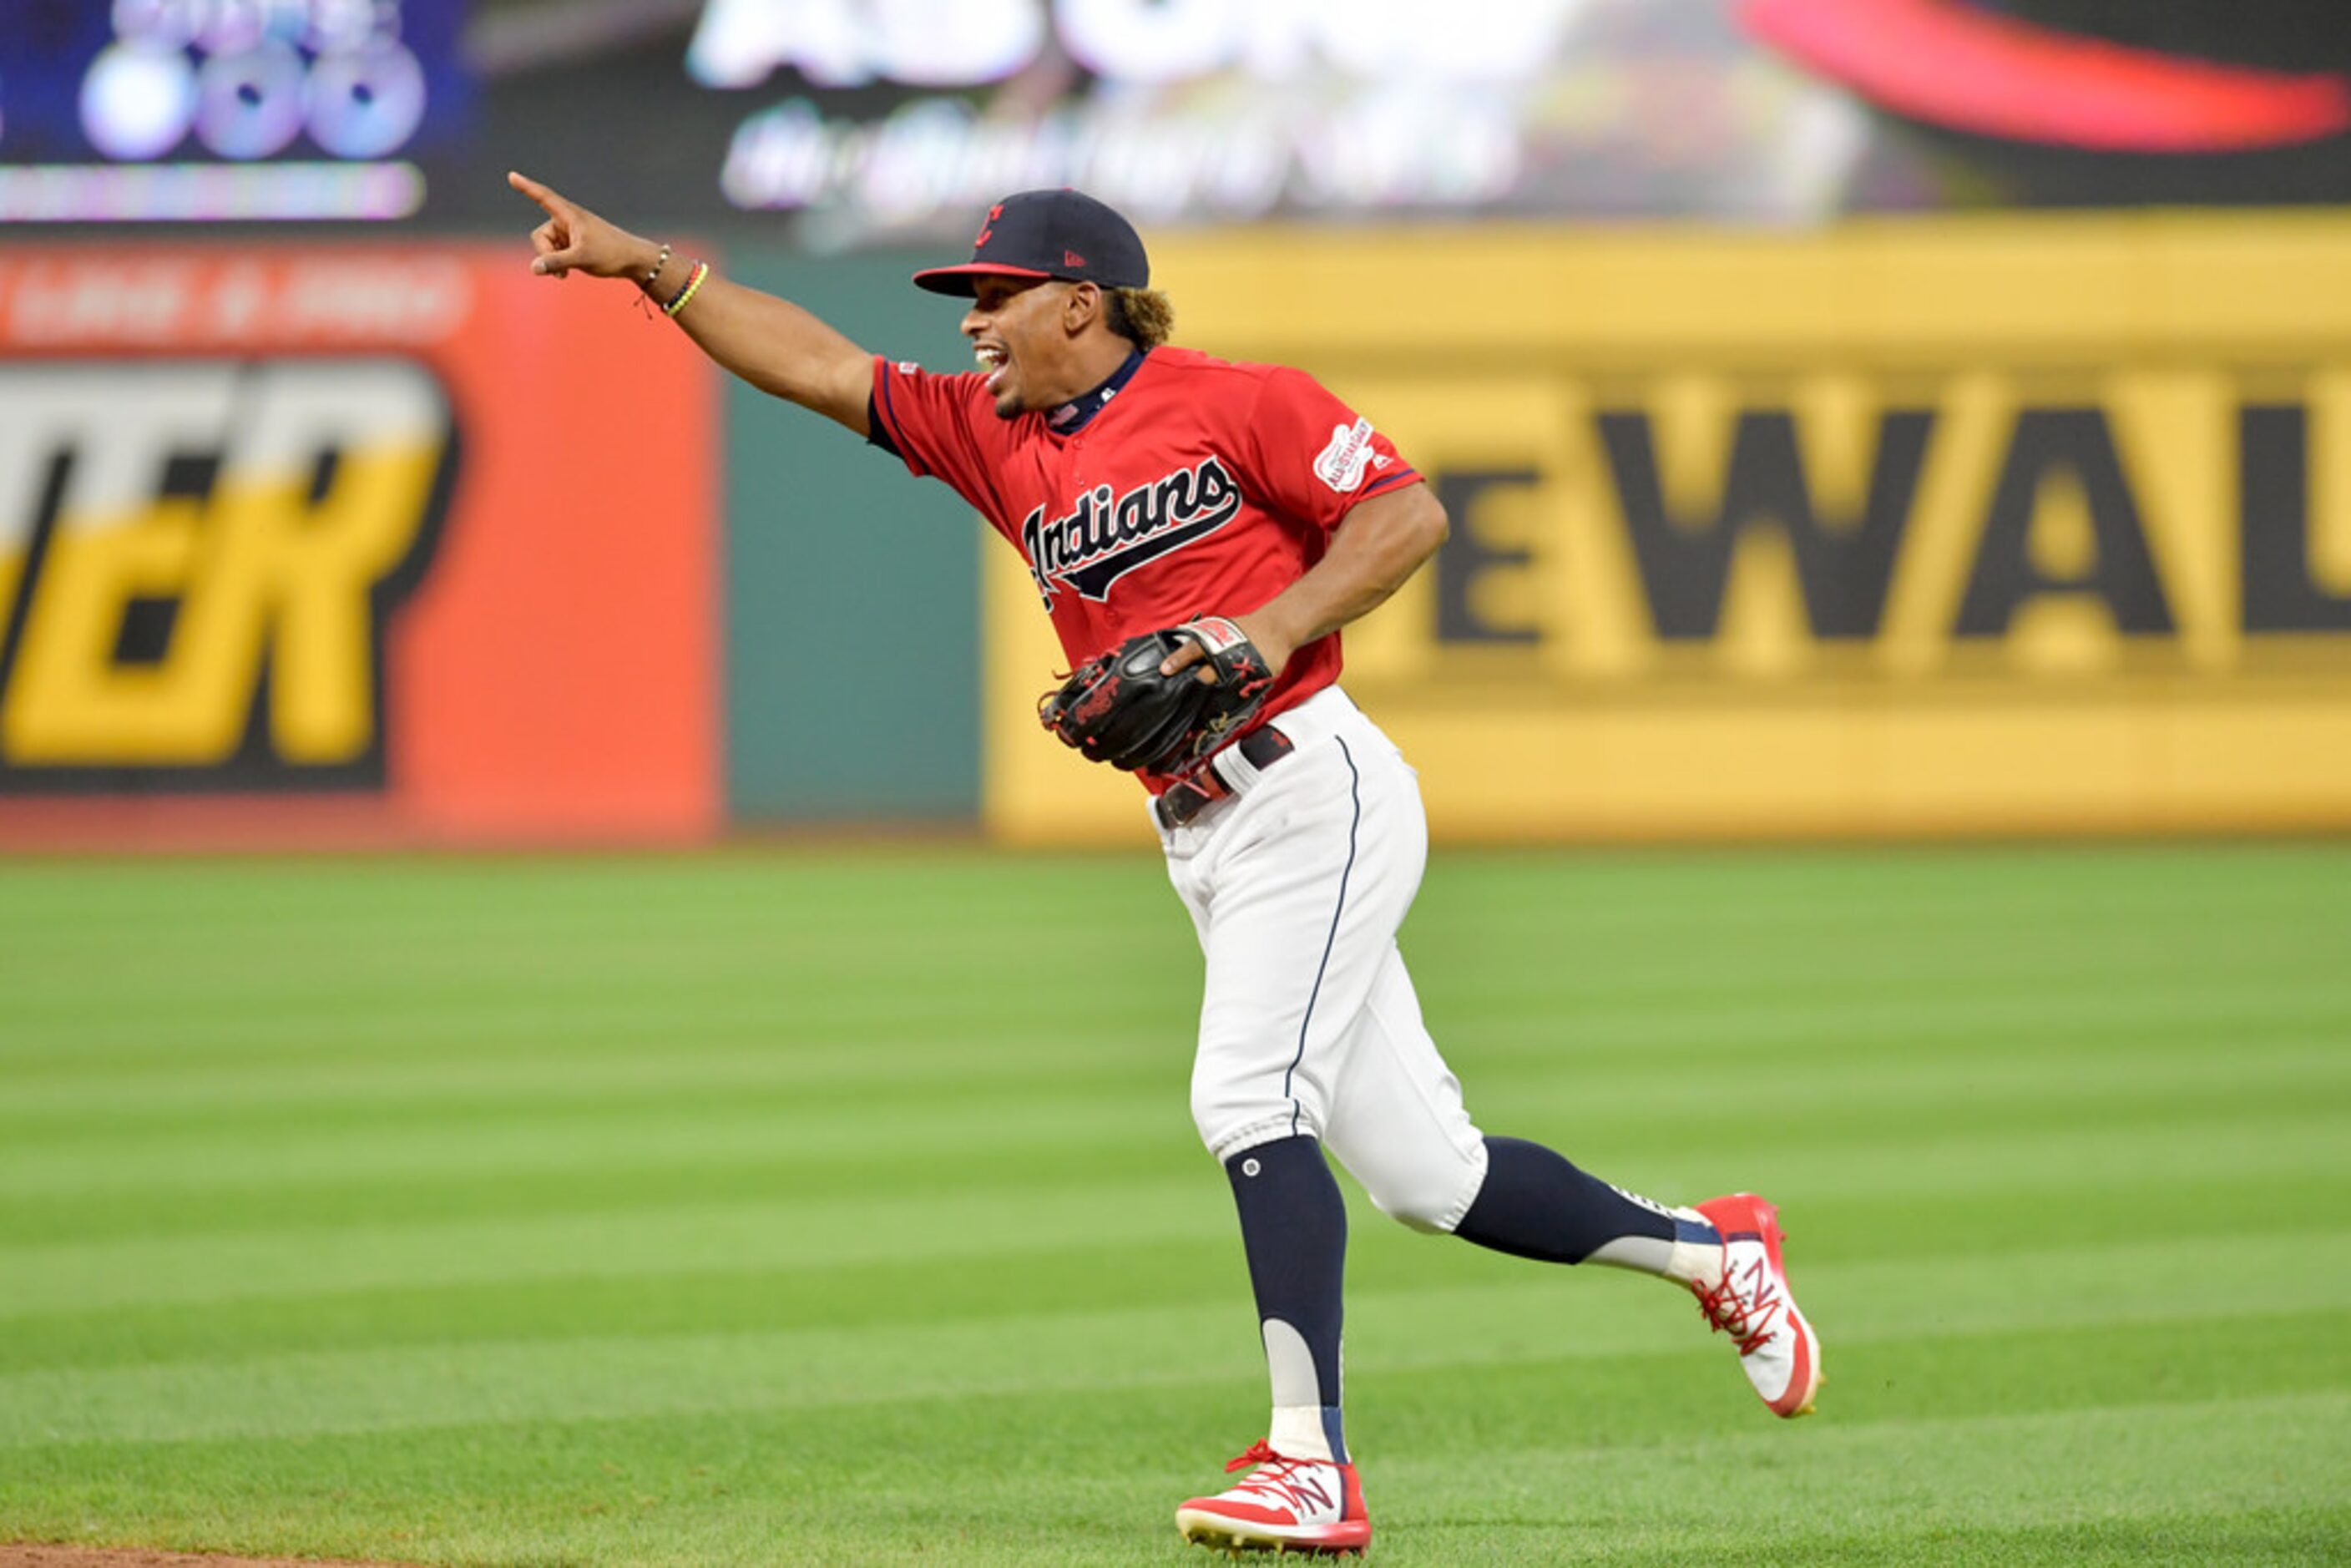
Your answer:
<point x="1187" y="797"/>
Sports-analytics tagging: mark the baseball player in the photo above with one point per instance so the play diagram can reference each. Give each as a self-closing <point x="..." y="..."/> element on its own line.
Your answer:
<point x="1236" y="516"/>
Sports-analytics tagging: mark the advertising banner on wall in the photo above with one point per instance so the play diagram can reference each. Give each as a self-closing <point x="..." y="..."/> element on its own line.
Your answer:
<point x="1960" y="527"/>
<point x="393" y="544"/>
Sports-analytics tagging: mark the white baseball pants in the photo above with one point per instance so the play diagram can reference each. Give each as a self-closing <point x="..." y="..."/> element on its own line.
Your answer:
<point x="1297" y="883"/>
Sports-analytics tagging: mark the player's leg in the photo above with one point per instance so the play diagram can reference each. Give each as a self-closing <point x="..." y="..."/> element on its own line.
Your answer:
<point x="1394" y="1116"/>
<point x="1536" y="1204"/>
<point x="1392" y="1109"/>
<point x="1725" y="1252"/>
<point x="1396" y="1121"/>
<point x="1296" y="894"/>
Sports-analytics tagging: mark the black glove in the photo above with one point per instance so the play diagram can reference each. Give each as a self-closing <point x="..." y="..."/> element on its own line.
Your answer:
<point x="1118" y="708"/>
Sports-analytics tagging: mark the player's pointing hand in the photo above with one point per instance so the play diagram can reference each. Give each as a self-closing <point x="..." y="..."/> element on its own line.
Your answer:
<point x="574" y="239"/>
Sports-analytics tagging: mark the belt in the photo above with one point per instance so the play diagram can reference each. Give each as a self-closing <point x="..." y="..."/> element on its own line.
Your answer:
<point x="1188" y="797"/>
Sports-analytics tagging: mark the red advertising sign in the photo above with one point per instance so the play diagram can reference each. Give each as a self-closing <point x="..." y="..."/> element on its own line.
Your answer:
<point x="329" y="545"/>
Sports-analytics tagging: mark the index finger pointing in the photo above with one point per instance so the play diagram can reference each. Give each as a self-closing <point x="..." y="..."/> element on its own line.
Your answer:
<point x="535" y="191"/>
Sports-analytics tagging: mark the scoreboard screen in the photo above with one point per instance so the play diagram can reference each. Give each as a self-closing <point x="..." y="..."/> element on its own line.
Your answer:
<point x="243" y="110"/>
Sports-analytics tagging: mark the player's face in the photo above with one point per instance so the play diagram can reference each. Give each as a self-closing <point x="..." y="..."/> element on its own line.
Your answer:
<point x="1014" y="328"/>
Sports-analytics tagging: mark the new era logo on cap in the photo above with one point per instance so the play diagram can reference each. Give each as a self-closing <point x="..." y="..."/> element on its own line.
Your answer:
<point x="1048" y="233"/>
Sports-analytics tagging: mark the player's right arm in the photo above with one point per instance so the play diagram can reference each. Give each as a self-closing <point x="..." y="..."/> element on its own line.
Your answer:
<point x="771" y="343"/>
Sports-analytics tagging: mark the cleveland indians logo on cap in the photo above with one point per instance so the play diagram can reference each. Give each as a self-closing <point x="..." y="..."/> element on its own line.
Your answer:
<point x="1109" y="534"/>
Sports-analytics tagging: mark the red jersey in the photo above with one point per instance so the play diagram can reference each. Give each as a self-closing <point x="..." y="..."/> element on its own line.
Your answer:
<point x="1198" y="487"/>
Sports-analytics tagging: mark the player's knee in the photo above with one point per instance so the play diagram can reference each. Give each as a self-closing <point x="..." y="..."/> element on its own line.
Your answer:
<point x="1422" y="1209"/>
<point x="1430" y="1193"/>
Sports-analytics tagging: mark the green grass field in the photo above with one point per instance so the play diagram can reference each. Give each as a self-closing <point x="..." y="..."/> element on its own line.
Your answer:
<point x="844" y="1208"/>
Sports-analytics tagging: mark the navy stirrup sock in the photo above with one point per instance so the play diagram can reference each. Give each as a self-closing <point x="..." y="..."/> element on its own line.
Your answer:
<point x="1534" y="1204"/>
<point x="1294" y="1229"/>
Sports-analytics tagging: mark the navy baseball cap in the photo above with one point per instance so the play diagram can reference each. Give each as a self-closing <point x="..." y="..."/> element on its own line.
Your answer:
<point x="1048" y="234"/>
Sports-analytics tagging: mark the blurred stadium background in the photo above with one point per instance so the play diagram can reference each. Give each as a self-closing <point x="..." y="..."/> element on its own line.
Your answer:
<point x="538" y="943"/>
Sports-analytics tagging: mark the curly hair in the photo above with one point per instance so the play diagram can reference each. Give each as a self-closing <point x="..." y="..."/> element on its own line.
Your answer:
<point x="1140" y="316"/>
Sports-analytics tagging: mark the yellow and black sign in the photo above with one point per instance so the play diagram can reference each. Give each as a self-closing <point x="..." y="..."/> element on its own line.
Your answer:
<point x="1948" y="526"/>
<point x="197" y="563"/>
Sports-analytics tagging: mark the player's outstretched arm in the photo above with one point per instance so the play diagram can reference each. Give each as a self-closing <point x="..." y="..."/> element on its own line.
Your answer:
<point x="772" y="343"/>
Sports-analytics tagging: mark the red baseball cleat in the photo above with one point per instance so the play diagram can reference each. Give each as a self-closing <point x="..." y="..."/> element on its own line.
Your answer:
<point x="1283" y="1505"/>
<point x="1751" y="1303"/>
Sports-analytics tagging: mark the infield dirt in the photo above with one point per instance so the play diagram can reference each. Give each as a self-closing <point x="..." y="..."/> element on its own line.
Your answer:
<point x="26" y="1556"/>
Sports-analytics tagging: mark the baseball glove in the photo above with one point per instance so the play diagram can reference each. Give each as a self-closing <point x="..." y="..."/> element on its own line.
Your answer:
<point x="1118" y="708"/>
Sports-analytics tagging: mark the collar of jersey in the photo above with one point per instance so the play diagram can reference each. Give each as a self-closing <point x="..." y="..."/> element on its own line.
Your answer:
<point x="1079" y="411"/>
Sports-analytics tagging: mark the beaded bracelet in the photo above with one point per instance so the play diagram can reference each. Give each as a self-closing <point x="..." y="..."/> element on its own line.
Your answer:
<point x="652" y="274"/>
<point x="684" y="294"/>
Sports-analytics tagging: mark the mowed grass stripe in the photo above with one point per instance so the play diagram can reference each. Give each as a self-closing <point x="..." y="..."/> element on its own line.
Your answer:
<point x="1688" y="1394"/>
<point x="1823" y="1051"/>
<point x="1702" y="1026"/>
<point x="323" y="902"/>
<point x="160" y="1022"/>
<point x="867" y="940"/>
<point x="1105" y="1275"/>
<point x="748" y="1020"/>
<point x="1692" y="1003"/>
<point x="939" y="1225"/>
<point x="213" y="1200"/>
<point x="1829" y="1100"/>
<point x="1787" y="1493"/>
<point x="806" y="923"/>
<point x="798" y="918"/>
<point x="1855" y="1305"/>
<point x="474" y="933"/>
<point x="63" y="903"/>
<point x="2174" y="1353"/>
<point x="979" y="1442"/>
<point x="1844" y="1052"/>
<point x="795" y="1115"/>
<point x="472" y="1059"/>
<point x="1694" y="1148"/>
<point x="330" y="1199"/>
<point x="203" y="968"/>
<point x="1937" y="1483"/>
<point x="1819" y="1060"/>
<point x="977" y="1126"/>
<point x="756" y="1234"/>
<point x="1705" y="1020"/>
<point x="1596" y="1470"/>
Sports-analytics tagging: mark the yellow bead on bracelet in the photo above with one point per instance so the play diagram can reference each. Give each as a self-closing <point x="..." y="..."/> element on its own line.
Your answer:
<point x="685" y="295"/>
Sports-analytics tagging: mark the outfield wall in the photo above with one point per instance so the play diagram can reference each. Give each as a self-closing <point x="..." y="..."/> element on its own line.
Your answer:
<point x="334" y="544"/>
<point x="1923" y="528"/>
<point x="402" y="544"/>
<point x="1932" y="527"/>
<point x="852" y="676"/>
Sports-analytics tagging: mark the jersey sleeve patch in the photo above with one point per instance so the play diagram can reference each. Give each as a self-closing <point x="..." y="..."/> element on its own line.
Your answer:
<point x="1341" y="463"/>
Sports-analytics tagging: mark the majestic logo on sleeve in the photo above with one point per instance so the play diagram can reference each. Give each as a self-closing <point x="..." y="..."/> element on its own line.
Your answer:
<point x="1340" y="466"/>
<point x="1109" y="534"/>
